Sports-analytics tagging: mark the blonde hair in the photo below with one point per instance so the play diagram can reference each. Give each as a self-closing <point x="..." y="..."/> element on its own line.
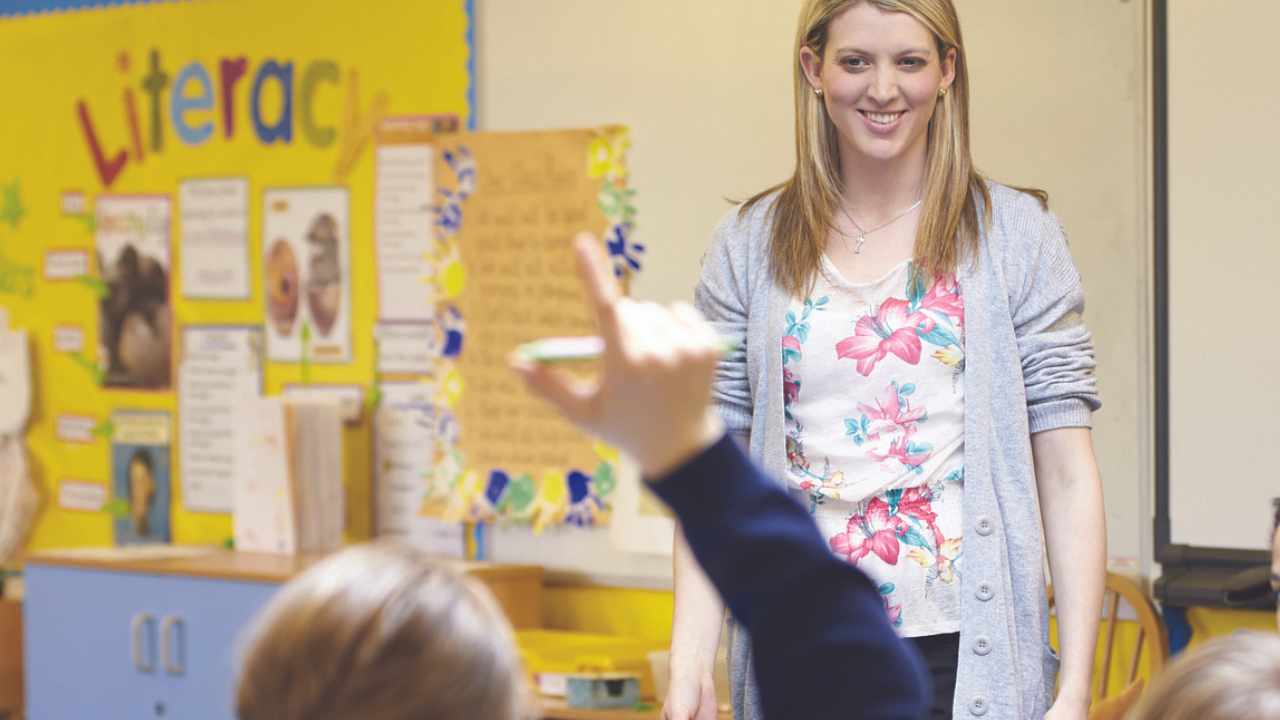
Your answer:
<point x="378" y="632"/>
<point x="1227" y="678"/>
<point x="949" y="224"/>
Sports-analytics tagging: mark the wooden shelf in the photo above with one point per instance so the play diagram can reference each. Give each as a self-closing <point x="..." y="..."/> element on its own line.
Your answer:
<point x="218" y="564"/>
<point x="517" y="588"/>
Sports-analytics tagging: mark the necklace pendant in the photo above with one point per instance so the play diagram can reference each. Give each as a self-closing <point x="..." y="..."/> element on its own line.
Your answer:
<point x="857" y="249"/>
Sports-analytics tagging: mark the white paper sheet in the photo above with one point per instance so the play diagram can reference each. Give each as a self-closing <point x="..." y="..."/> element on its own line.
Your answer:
<point x="214" y="214"/>
<point x="403" y="222"/>
<point x="404" y="437"/>
<point x="221" y="368"/>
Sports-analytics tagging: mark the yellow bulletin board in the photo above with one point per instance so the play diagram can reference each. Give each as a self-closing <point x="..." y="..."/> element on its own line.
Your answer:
<point x="119" y="107"/>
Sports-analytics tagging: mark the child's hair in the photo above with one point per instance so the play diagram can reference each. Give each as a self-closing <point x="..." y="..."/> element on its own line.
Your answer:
<point x="379" y="632"/>
<point x="1227" y="678"/>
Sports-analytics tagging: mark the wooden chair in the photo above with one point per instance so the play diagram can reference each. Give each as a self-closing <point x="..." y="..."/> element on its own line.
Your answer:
<point x="10" y="658"/>
<point x="1152" y="637"/>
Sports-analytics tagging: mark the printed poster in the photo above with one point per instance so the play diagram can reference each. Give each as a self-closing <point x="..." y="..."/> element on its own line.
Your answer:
<point x="214" y="232"/>
<point x="306" y="240"/>
<point x="140" y="477"/>
<point x="221" y="371"/>
<point x="135" y="314"/>
<point x="508" y="207"/>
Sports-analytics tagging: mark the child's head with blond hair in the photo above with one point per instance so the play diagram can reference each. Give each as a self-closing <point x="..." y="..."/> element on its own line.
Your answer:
<point x="1227" y="678"/>
<point x="378" y="632"/>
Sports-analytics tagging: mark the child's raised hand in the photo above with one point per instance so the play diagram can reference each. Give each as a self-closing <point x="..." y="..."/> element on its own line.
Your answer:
<point x="652" y="397"/>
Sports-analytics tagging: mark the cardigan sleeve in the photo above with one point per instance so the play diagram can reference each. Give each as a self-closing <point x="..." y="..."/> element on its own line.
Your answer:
<point x="1056" y="348"/>
<point x="823" y="646"/>
<point x="723" y="297"/>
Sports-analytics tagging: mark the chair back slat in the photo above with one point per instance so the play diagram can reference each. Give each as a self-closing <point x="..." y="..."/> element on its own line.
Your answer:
<point x="1113" y="612"/>
<point x="1137" y="654"/>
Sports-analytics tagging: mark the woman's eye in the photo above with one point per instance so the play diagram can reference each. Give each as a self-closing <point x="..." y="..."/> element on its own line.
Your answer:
<point x="855" y="63"/>
<point x="912" y="63"/>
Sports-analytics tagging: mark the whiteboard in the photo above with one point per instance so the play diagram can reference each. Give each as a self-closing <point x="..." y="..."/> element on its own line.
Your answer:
<point x="1224" y="255"/>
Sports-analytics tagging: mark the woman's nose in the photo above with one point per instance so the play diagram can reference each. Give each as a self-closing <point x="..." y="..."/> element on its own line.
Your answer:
<point x="884" y="86"/>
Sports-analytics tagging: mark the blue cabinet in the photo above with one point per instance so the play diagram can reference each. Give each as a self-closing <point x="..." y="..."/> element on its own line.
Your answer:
<point x="128" y="636"/>
<point x="131" y="645"/>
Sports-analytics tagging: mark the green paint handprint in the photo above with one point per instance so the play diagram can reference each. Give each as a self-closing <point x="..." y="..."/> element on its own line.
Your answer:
<point x="11" y="209"/>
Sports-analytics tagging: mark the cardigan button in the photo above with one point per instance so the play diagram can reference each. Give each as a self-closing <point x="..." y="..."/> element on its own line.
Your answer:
<point x="985" y="526"/>
<point x="978" y="706"/>
<point x="982" y="646"/>
<point x="985" y="592"/>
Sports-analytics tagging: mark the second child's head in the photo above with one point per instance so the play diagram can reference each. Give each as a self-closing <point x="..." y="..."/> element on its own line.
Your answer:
<point x="378" y="632"/>
<point x="1228" y="678"/>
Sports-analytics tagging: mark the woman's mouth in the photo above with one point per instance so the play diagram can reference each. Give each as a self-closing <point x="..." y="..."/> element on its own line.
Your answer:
<point x="882" y="123"/>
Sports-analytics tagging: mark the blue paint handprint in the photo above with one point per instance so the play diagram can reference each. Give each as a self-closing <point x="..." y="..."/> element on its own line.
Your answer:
<point x="623" y="252"/>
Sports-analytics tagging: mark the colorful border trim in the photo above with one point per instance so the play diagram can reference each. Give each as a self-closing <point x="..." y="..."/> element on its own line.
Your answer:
<point x="18" y="8"/>
<point x="470" y="6"/>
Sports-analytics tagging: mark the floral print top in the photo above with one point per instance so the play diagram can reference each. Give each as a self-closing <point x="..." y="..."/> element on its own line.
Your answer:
<point x="874" y="404"/>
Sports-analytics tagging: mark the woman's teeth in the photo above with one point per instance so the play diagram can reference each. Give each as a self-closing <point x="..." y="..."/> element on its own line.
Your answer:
<point x="883" y="118"/>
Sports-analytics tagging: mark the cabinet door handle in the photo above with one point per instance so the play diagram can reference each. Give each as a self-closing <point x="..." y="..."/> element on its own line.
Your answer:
<point x="171" y="656"/>
<point x="142" y="661"/>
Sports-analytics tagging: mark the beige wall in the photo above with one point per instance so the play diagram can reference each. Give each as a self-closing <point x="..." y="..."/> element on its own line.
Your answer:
<point x="706" y="88"/>
<point x="1223" y="255"/>
<point x="1059" y="104"/>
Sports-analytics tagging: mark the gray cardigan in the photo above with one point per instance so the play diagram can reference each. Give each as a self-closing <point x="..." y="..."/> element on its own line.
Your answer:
<point x="1029" y="367"/>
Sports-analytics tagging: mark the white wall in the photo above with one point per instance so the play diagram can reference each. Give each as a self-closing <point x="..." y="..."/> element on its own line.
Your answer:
<point x="706" y="89"/>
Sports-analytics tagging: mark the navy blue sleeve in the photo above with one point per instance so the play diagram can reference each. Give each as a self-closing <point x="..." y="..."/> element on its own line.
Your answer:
<point x="822" y="643"/>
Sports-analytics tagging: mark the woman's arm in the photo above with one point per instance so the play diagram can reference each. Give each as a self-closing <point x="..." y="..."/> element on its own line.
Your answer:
<point x="695" y="632"/>
<point x="1058" y="365"/>
<point x="1075" y="531"/>
<point x="695" y="638"/>
<point x="699" y="613"/>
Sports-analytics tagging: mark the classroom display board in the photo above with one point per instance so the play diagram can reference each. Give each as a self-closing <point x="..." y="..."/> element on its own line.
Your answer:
<point x="189" y="214"/>
<point x="1221" y="248"/>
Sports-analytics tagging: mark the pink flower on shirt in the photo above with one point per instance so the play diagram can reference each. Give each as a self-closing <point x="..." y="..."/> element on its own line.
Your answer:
<point x="917" y="502"/>
<point x="790" y="386"/>
<point x="893" y="611"/>
<point x="875" y="531"/>
<point x="889" y="426"/>
<point x="944" y="298"/>
<point x="892" y="330"/>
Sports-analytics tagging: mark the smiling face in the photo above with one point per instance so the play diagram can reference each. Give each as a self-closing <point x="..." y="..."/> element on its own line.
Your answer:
<point x="880" y="74"/>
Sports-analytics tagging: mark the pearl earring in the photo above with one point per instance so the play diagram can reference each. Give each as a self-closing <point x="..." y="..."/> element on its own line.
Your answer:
<point x="817" y="91"/>
<point x="942" y="92"/>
